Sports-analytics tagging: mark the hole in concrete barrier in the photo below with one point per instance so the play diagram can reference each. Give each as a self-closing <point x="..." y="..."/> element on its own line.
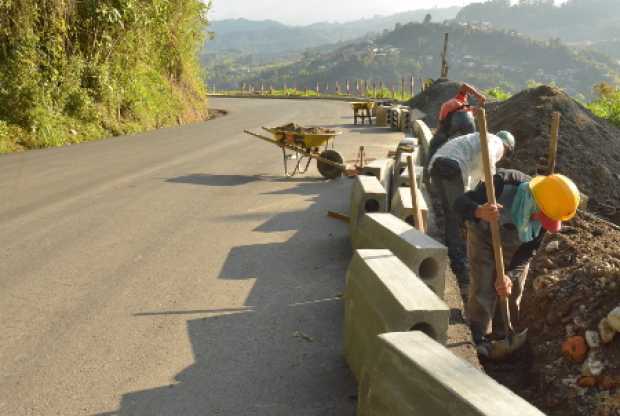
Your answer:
<point x="369" y="174"/>
<point x="428" y="268"/>
<point x="409" y="220"/>
<point x="426" y="328"/>
<point x="372" y="205"/>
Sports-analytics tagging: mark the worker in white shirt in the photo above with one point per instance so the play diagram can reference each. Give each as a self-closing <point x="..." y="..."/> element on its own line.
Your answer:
<point x="456" y="168"/>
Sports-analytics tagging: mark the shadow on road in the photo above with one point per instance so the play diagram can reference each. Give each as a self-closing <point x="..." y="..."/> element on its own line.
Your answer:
<point x="281" y="353"/>
<point x="209" y="179"/>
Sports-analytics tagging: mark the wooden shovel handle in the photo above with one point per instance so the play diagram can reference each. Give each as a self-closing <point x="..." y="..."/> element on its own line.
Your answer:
<point x="490" y="188"/>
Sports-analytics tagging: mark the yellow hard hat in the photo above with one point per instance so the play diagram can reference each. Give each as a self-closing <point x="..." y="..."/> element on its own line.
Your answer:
<point x="556" y="195"/>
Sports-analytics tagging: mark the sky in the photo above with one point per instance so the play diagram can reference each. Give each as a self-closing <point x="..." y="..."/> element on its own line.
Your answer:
<point x="299" y="12"/>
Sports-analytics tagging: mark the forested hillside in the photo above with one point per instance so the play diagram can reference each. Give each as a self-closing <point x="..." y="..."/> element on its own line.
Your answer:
<point x="79" y="70"/>
<point x="595" y="23"/>
<point x="240" y="47"/>
<point x="477" y="53"/>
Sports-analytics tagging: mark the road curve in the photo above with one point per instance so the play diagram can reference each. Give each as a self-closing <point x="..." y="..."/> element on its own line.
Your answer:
<point x="176" y="273"/>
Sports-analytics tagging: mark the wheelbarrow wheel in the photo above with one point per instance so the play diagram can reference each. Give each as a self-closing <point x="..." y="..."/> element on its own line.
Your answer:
<point x="329" y="171"/>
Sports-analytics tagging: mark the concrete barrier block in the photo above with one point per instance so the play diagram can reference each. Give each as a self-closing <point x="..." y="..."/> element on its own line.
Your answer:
<point x="402" y="206"/>
<point x="383" y="295"/>
<point x="367" y="196"/>
<point x="382" y="116"/>
<point x="404" y="180"/>
<point x="424" y="133"/>
<point x="403" y="123"/>
<point x="413" y="375"/>
<point x="401" y="159"/>
<point x="426" y="257"/>
<point x="381" y="169"/>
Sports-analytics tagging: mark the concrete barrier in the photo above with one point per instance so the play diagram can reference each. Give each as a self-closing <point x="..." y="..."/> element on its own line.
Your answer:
<point x="424" y="134"/>
<point x="382" y="170"/>
<point x="382" y="116"/>
<point x="402" y="206"/>
<point x="404" y="122"/>
<point x="426" y="257"/>
<point x="404" y="180"/>
<point x="383" y="295"/>
<point x="367" y="196"/>
<point x="412" y="375"/>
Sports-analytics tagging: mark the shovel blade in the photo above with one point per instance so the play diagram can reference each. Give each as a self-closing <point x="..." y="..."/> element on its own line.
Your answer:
<point x="504" y="348"/>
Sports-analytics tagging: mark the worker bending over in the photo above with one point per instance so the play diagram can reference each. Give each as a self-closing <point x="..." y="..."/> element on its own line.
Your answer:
<point x="455" y="168"/>
<point x="526" y="208"/>
<point x="455" y="117"/>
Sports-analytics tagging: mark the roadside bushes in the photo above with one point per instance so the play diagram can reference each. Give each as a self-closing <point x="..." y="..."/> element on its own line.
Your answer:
<point x="73" y="71"/>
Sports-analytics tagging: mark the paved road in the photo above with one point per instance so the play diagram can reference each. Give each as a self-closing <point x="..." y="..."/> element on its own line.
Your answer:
<point x="176" y="273"/>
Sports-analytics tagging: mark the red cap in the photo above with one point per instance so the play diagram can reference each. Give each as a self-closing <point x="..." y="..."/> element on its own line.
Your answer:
<point x="551" y="225"/>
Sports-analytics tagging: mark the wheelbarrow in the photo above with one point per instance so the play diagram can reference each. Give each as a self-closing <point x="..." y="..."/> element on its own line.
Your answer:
<point x="304" y="144"/>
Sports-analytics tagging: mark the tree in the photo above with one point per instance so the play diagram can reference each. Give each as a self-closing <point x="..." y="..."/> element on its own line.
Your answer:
<point x="428" y="18"/>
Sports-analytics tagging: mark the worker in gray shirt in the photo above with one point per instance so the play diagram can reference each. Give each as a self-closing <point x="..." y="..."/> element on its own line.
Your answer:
<point x="456" y="168"/>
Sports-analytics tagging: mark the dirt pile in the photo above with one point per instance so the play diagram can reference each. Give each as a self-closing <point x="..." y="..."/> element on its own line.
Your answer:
<point x="588" y="148"/>
<point x="574" y="283"/>
<point x="296" y="128"/>
<point x="430" y="100"/>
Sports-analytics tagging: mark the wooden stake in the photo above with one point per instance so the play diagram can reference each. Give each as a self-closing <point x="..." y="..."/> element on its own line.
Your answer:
<point x="553" y="145"/>
<point x="444" y="57"/>
<point x="413" y="185"/>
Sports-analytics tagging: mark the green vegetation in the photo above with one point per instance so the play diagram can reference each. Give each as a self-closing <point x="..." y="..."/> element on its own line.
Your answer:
<point x="76" y="71"/>
<point x="607" y="105"/>
<point x="498" y="93"/>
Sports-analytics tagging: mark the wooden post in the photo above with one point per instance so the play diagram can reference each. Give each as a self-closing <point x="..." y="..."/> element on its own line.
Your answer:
<point x="318" y="88"/>
<point x="553" y="146"/>
<point x="337" y="87"/>
<point x="444" y="58"/>
<point x="412" y="86"/>
<point x="374" y="89"/>
<point x="402" y="88"/>
<point x="413" y="185"/>
<point x="348" y="87"/>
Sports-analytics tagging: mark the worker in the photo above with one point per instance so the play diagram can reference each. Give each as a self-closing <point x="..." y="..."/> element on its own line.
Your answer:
<point x="455" y="168"/>
<point x="526" y="209"/>
<point x="455" y="117"/>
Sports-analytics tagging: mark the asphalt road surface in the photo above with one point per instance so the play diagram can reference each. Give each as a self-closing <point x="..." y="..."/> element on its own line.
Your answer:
<point x="177" y="272"/>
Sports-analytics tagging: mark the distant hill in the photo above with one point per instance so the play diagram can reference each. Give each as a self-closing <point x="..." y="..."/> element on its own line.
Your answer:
<point x="269" y="36"/>
<point x="477" y="53"/>
<point x="595" y="21"/>
<point x="241" y="47"/>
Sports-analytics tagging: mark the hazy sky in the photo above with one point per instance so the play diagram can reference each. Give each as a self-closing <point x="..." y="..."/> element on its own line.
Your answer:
<point x="309" y="11"/>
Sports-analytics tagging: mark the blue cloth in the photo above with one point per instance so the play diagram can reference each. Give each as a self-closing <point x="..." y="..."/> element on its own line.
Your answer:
<point x="523" y="207"/>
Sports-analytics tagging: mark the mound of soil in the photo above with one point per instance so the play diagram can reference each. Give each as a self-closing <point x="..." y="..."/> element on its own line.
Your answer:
<point x="431" y="100"/>
<point x="296" y="128"/>
<point x="588" y="148"/>
<point x="574" y="283"/>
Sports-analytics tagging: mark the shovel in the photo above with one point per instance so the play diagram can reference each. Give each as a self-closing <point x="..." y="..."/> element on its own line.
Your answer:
<point x="513" y="341"/>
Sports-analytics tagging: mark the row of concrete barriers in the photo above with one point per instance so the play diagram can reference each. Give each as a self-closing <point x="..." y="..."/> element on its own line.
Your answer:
<point x="396" y="321"/>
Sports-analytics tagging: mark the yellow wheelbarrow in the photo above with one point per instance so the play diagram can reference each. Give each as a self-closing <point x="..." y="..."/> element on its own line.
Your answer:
<point x="304" y="144"/>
